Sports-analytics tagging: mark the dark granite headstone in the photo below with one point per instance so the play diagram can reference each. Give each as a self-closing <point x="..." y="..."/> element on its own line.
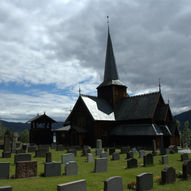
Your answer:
<point x="124" y="150"/>
<point x="5" y="188"/>
<point x="31" y="149"/>
<point x="144" y="181"/>
<point x="168" y="175"/>
<point x="4" y="170"/>
<point x="154" y="148"/>
<point x="20" y="151"/>
<point x="52" y="169"/>
<point x="115" y="156"/>
<point x="129" y="155"/>
<point x="113" y="184"/>
<point x="186" y="168"/>
<point x="184" y="156"/>
<point x="24" y="147"/>
<point x="148" y="159"/>
<point x="7" y="147"/>
<point x="22" y="157"/>
<point x="100" y="165"/>
<point x="41" y="152"/>
<point x="71" y="168"/>
<point x="132" y="163"/>
<point x="79" y="185"/>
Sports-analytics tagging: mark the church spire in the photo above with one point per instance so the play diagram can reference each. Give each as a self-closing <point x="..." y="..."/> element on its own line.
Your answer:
<point x="110" y="65"/>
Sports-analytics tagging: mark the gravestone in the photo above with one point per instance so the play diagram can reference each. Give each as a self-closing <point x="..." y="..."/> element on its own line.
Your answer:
<point x="31" y="149"/>
<point x="148" y="159"/>
<point x="162" y="149"/>
<point x="86" y="150"/>
<point x="184" y="156"/>
<point x="60" y="148"/>
<point x="67" y="157"/>
<point x="71" y="168"/>
<point x="41" y="153"/>
<point x="134" y="150"/>
<point x="167" y="150"/>
<point x="72" y="150"/>
<point x="5" y="188"/>
<point x="100" y="165"/>
<point x="113" y="184"/>
<point x="20" y="151"/>
<point x="22" y="157"/>
<point x="7" y="147"/>
<point x="154" y="148"/>
<point x="186" y="168"/>
<point x="98" y="151"/>
<point x="115" y="156"/>
<point x="13" y="149"/>
<point x="124" y="150"/>
<point x="99" y="144"/>
<point x="144" y="181"/>
<point x="165" y="159"/>
<point x="168" y="175"/>
<point x="141" y="153"/>
<point x="79" y="185"/>
<point x="48" y="157"/>
<point x="24" y="147"/>
<point x="4" y="170"/>
<point x="25" y="169"/>
<point x="52" y="169"/>
<point x="132" y="163"/>
<point x="129" y="155"/>
<point x="53" y="146"/>
<point x="111" y="150"/>
<point x="45" y="147"/>
<point x="89" y="158"/>
<point x="103" y="155"/>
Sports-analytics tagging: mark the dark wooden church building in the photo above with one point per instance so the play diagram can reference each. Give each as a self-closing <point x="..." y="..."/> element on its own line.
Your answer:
<point x="118" y="118"/>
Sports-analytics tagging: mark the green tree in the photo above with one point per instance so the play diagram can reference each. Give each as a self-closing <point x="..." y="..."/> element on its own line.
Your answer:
<point x="178" y="124"/>
<point x="2" y="131"/>
<point x="186" y="134"/>
<point x="24" y="136"/>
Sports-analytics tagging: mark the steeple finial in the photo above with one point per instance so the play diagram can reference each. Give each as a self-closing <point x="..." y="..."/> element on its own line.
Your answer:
<point x="79" y="91"/>
<point x="108" y="21"/>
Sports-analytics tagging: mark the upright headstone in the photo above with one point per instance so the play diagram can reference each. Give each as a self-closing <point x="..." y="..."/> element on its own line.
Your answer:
<point x="168" y="175"/>
<point x="100" y="165"/>
<point x="67" y="157"/>
<point x="49" y="157"/>
<point x="184" y="156"/>
<point x="72" y="150"/>
<point x="89" y="158"/>
<point x="22" y="157"/>
<point x="164" y="159"/>
<point x="13" y="149"/>
<point x="4" y="170"/>
<point x="141" y="153"/>
<point x="25" y="169"/>
<point x="132" y="163"/>
<point x="24" y="147"/>
<point x="115" y="156"/>
<point x="186" y="168"/>
<point x="71" y="168"/>
<point x="98" y="151"/>
<point x="31" y="149"/>
<point x="5" y="188"/>
<point x="167" y="150"/>
<point x="52" y="169"/>
<point x="124" y="150"/>
<point x="41" y="152"/>
<point x="86" y="150"/>
<point x="129" y="155"/>
<point x="144" y="181"/>
<point x="103" y="155"/>
<point x="99" y="144"/>
<point x="113" y="184"/>
<point x="7" y="147"/>
<point x="45" y="147"/>
<point x="148" y="159"/>
<point x="79" y="185"/>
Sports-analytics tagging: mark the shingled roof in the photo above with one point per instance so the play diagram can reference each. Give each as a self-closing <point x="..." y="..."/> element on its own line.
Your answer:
<point x="137" y="107"/>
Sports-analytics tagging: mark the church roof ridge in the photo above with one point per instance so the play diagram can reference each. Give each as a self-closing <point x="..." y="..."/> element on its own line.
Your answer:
<point x="145" y="94"/>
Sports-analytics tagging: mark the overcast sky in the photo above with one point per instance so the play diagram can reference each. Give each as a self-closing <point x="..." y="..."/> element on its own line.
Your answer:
<point x="48" y="48"/>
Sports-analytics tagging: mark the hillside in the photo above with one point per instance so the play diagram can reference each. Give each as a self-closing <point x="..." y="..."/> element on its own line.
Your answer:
<point x="182" y="117"/>
<point x="19" y="127"/>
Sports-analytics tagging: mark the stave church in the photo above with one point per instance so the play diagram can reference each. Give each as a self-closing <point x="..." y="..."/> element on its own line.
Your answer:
<point x="118" y="118"/>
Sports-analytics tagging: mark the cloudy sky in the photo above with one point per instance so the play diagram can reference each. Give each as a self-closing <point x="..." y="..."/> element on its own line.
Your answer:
<point x="48" y="48"/>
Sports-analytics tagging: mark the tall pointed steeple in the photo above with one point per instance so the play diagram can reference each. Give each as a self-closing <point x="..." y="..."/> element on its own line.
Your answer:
<point x="110" y="66"/>
<point x="111" y="89"/>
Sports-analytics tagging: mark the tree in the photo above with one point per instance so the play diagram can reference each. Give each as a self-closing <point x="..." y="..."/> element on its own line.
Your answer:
<point x="24" y="136"/>
<point x="186" y="134"/>
<point x="178" y="124"/>
<point x="2" y="131"/>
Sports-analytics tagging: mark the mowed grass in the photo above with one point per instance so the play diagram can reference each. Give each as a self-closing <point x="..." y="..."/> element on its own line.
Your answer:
<point x="95" y="181"/>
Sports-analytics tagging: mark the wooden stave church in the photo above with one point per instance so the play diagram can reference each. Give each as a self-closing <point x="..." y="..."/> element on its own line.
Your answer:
<point x="117" y="118"/>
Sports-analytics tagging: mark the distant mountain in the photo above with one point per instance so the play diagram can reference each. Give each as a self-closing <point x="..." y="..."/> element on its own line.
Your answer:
<point x="19" y="127"/>
<point x="182" y="117"/>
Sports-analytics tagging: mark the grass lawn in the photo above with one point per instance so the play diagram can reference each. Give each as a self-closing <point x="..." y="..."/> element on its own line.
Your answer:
<point x="95" y="181"/>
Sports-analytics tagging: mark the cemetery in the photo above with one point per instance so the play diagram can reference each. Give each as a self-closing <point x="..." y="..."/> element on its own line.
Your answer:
<point x="61" y="170"/>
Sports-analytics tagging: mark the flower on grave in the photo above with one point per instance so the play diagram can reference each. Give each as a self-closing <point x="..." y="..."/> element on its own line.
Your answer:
<point x="131" y="185"/>
<point x="157" y="179"/>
